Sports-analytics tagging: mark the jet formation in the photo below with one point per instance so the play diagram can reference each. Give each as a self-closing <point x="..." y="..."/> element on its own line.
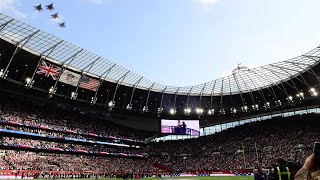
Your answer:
<point x="50" y="7"/>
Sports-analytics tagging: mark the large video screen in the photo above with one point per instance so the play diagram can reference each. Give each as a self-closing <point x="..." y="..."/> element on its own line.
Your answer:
<point x="180" y="127"/>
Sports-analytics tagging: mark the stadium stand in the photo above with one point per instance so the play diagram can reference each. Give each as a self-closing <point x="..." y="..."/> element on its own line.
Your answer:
<point x="233" y="149"/>
<point x="53" y="127"/>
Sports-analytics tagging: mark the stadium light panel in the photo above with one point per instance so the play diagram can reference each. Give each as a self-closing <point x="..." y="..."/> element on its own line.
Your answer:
<point x="145" y="109"/>
<point x="172" y="111"/>
<point x="52" y="90"/>
<point x="111" y="104"/>
<point x="313" y="92"/>
<point x="199" y="110"/>
<point x="28" y="80"/>
<point x="129" y="107"/>
<point x="187" y="111"/>
<point x="211" y="111"/>
<point x="244" y="108"/>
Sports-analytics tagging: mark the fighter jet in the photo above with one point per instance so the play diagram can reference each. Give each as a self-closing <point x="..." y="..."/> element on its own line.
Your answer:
<point x="38" y="8"/>
<point x="50" y="7"/>
<point x="62" y="25"/>
<point x="55" y="16"/>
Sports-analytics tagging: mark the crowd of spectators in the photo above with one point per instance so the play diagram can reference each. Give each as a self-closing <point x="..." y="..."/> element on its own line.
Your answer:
<point x="66" y="146"/>
<point x="29" y="114"/>
<point x="290" y="138"/>
<point x="22" y="160"/>
<point x="241" y="147"/>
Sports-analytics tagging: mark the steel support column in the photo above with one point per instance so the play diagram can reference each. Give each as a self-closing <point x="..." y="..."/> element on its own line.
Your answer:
<point x="2" y="26"/>
<point x="133" y="90"/>
<point x="105" y="74"/>
<point x="149" y="90"/>
<point x="42" y="56"/>
<point x="161" y="102"/>
<point x="221" y="97"/>
<point x="175" y="99"/>
<point x="212" y="94"/>
<point x="259" y="89"/>
<point x="18" y="48"/>
<point x="200" y="98"/>
<point x="240" y="92"/>
<point x="188" y="96"/>
<point x="89" y="66"/>
<point x="118" y="85"/>
<point x="71" y="58"/>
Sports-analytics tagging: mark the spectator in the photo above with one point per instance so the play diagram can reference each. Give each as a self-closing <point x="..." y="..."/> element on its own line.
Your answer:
<point x="260" y="175"/>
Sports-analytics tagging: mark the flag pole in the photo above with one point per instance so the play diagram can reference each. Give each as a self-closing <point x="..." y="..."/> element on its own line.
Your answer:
<point x="89" y="66"/>
<point x="101" y="79"/>
<point x="42" y="57"/>
<point x="64" y="67"/>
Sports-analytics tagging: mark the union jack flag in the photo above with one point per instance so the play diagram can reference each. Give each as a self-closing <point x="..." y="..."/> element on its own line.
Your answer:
<point x="48" y="69"/>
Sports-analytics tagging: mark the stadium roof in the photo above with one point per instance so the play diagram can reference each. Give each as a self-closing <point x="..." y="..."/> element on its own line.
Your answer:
<point x="65" y="53"/>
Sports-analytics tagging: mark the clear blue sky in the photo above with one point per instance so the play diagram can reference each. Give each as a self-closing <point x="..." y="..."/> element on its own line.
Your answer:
<point x="181" y="42"/>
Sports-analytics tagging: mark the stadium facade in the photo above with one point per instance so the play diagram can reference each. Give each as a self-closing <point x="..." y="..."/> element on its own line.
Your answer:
<point x="40" y="64"/>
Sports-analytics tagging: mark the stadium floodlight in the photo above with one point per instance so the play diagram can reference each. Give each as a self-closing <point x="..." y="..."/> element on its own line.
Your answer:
<point x="290" y="98"/>
<point x="278" y="102"/>
<point x="29" y="82"/>
<point x="301" y="95"/>
<point x="129" y="107"/>
<point x="255" y="107"/>
<point x="266" y="105"/>
<point x="199" y="110"/>
<point x="313" y="92"/>
<point x="222" y="111"/>
<point x="111" y="104"/>
<point x="187" y="111"/>
<point x="160" y="109"/>
<point x="3" y="74"/>
<point x="244" y="108"/>
<point x="233" y="110"/>
<point x="73" y="95"/>
<point x="93" y="100"/>
<point x="52" y="90"/>
<point x="211" y="111"/>
<point x="145" y="109"/>
<point x="172" y="111"/>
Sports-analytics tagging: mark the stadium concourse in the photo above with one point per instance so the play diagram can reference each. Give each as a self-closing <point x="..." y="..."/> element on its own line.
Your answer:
<point x="68" y="113"/>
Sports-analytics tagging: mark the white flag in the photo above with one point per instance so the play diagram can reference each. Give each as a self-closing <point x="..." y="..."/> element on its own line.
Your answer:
<point x="69" y="77"/>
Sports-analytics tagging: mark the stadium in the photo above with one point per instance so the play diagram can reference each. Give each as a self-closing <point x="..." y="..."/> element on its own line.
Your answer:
<point x="68" y="113"/>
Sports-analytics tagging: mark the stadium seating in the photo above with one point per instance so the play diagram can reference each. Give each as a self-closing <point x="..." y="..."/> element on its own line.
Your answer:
<point x="236" y="148"/>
